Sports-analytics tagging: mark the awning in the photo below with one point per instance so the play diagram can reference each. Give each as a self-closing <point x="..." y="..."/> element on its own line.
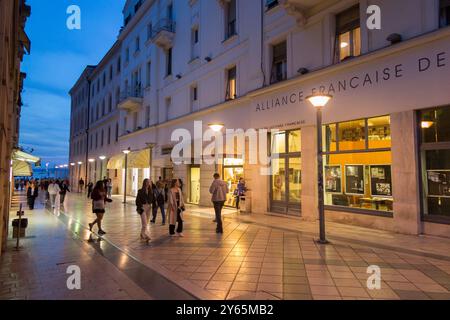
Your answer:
<point x="116" y="162"/>
<point x="21" y="169"/>
<point x="139" y="159"/>
<point x="23" y="156"/>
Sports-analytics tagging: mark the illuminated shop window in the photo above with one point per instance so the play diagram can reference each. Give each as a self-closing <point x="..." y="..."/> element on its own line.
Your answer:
<point x="434" y="126"/>
<point x="358" y="159"/>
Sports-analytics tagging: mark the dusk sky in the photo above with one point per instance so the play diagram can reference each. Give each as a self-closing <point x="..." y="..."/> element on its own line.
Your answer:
<point x="58" y="57"/>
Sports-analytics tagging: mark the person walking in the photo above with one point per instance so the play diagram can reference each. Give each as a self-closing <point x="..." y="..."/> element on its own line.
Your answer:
<point x="90" y="186"/>
<point x="160" y="202"/>
<point x="218" y="190"/>
<point x="80" y="185"/>
<point x="32" y="194"/>
<point x="62" y="193"/>
<point x="109" y="188"/>
<point x="99" y="200"/>
<point x="175" y="208"/>
<point x="144" y="201"/>
<point x="53" y="190"/>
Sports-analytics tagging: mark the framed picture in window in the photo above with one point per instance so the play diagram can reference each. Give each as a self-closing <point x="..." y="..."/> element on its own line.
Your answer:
<point x="438" y="183"/>
<point x="381" y="181"/>
<point x="333" y="179"/>
<point x="354" y="179"/>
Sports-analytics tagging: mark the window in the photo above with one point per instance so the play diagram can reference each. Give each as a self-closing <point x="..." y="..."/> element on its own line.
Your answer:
<point x="93" y="89"/>
<point x="279" y="63"/>
<point x="231" y="84"/>
<point x="149" y="31"/>
<point x="117" y="96"/>
<point x="98" y="85"/>
<point x="435" y="162"/>
<point x="109" y="135"/>
<point x="444" y="13"/>
<point x="110" y="72"/>
<point x="357" y="170"/>
<point x="97" y="111"/>
<point x="103" y="108"/>
<point x="169" y="62"/>
<point x="96" y="140"/>
<point x="127" y="19"/>
<point x="170" y="12"/>
<point x="102" y="139"/>
<point x="148" y="74"/>
<point x="194" y="43"/>
<point x="271" y="4"/>
<point x="194" y="93"/>
<point x="117" y="132"/>
<point x="109" y="103"/>
<point x="104" y="79"/>
<point x="127" y="55"/>
<point x="348" y="34"/>
<point x="137" y="45"/>
<point x="230" y="18"/>
<point x="118" y="65"/>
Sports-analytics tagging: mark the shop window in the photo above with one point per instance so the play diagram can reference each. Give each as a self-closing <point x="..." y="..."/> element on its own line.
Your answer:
<point x="348" y="34"/>
<point x="444" y="13"/>
<point x="233" y="170"/>
<point x="358" y="173"/>
<point x="435" y="162"/>
<point x="279" y="63"/>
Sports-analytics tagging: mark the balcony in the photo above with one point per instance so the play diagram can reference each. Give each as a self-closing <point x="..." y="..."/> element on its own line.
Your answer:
<point x="131" y="100"/>
<point x="163" y="33"/>
<point x="301" y="10"/>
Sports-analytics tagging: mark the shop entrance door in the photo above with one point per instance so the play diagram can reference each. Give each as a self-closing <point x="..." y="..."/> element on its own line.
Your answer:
<point x="286" y="179"/>
<point x="231" y="175"/>
<point x="194" y="196"/>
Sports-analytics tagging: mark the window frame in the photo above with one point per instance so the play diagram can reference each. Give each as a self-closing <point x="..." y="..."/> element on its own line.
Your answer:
<point x="348" y="27"/>
<point x="228" y="83"/>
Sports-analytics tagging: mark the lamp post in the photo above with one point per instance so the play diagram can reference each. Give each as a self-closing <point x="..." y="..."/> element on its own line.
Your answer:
<point x="90" y="168"/>
<point x="126" y="153"/>
<point x="102" y="158"/>
<point x="319" y="102"/>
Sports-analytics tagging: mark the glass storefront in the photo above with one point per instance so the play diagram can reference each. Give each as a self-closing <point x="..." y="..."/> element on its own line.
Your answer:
<point x="194" y="190"/>
<point x="286" y="184"/>
<point x="233" y="170"/>
<point x="435" y="162"/>
<point x="357" y="164"/>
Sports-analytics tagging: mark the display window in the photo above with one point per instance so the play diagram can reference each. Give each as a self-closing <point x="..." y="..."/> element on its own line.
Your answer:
<point x="357" y="164"/>
<point x="233" y="170"/>
<point x="435" y="163"/>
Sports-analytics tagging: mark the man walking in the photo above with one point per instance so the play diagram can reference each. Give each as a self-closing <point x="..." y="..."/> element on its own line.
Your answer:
<point x="218" y="190"/>
<point x="53" y="190"/>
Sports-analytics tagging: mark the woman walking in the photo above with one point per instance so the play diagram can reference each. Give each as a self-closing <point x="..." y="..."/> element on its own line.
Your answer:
<point x="175" y="208"/>
<point x="99" y="200"/>
<point x="144" y="201"/>
<point x="64" y="189"/>
<point x="109" y="187"/>
<point x="32" y="194"/>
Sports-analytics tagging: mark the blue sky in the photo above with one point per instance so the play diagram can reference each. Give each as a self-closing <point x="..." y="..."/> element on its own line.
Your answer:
<point x="58" y="57"/>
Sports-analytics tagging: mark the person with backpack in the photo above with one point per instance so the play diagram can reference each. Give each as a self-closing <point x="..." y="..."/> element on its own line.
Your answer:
<point x="144" y="202"/>
<point x="160" y="201"/>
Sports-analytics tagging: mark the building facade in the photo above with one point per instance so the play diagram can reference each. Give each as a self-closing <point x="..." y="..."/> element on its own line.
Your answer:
<point x="13" y="45"/>
<point x="251" y="64"/>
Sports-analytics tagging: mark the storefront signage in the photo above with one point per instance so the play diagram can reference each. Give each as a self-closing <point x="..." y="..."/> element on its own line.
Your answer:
<point x="357" y="81"/>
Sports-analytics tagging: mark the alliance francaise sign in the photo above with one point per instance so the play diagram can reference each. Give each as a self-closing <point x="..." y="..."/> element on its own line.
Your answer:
<point x="354" y="82"/>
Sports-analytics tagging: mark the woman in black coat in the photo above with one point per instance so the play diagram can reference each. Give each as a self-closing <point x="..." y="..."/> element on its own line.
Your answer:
<point x="144" y="202"/>
<point x="32" y="194"/>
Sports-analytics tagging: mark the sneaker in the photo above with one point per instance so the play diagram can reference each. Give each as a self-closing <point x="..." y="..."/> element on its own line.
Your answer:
<point x="101" y="232"/>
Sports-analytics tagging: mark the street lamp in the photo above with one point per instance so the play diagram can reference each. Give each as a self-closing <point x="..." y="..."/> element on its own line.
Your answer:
<point x="319" y="101"/>
<point x="126" y="153"/>
<point x="102" y="158"/>
<point x="90" y="168"/>
<point x="216" y="127"/>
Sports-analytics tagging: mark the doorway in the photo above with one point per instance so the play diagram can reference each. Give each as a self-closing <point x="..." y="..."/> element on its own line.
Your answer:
<point x="194" y="194"/>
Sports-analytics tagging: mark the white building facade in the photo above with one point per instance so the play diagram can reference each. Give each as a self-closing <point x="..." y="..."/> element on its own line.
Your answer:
<point x="250" y="64"/>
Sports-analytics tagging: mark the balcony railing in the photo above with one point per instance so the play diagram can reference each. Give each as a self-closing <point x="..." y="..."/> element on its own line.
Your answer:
<point x="163" y="33"/>
<point x="131" y="99"/>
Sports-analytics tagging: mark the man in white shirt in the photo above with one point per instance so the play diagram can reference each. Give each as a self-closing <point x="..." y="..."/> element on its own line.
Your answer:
<point x="53" y="190"/>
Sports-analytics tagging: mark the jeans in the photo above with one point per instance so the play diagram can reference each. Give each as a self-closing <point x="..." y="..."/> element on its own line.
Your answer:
<point x="180" y="225"/>
<point x="218" y="205"/>
<point x="52" y="200"/>
<point x="155" y="212"/>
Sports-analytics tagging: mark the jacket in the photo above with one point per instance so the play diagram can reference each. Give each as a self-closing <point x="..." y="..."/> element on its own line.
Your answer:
<point x="53" y="188"/>
<point x="32" y="193"/>
<point x="172" y="207"/>
<point x="218" y="190"/>
<point x="144" y="198"/>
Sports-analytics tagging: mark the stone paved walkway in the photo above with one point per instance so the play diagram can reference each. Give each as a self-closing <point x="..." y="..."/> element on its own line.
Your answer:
<point x="268" y="257"/>
<point x="38" y="270"/>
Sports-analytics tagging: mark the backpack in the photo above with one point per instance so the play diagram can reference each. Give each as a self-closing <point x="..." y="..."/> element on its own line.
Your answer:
<point x="160" y="197"/>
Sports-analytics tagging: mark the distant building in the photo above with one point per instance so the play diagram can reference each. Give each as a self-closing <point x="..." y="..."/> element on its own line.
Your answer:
<point x="13" y="45"/>
<point x="251" y="64"/>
